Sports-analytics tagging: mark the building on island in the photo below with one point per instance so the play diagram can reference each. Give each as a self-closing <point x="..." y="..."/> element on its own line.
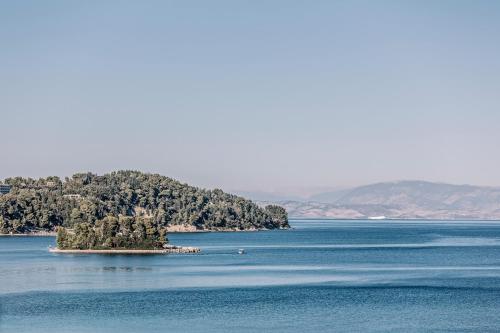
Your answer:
<point x="4" y="189"/>
<point x="72" y="196"/>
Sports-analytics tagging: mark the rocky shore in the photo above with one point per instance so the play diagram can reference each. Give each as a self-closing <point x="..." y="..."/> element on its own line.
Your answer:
<point x="192" y="228"/>
<point x="32" y="234"/>
<point x="181" y="228"/>
<point x="168" y="250"/>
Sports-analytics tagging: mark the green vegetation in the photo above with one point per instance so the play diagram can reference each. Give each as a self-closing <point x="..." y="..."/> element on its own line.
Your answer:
<point x="113" y="233"/>
<point x="86" y="200"/>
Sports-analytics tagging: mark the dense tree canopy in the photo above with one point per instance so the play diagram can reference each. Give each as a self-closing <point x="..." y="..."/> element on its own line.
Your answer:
<point x="47" y="203"/>
<point x="113" y="233"/>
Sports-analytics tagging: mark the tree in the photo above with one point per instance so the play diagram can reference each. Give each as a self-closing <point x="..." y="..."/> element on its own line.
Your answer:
<point x="112" y="233"/>
<point x="278" y="215"/>
<point x="61" y="239"/>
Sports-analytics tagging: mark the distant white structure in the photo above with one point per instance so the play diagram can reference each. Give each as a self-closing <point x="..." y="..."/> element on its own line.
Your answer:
<point x="377" y="218"/>
<point x="72" y="196"/>
<point x="4" y="189"/>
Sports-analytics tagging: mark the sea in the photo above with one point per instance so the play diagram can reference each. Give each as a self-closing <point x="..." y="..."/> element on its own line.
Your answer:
<point x="319" y="276"/>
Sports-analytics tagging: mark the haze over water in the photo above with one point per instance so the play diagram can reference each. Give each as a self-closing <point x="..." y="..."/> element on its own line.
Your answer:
<point x="322" y="275"/>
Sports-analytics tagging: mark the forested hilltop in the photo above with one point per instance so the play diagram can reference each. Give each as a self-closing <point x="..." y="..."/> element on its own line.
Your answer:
<point x="46" y="203"/>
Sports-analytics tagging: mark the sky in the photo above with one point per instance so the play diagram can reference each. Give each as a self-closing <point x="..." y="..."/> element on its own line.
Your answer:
<point x="252" y="95"/>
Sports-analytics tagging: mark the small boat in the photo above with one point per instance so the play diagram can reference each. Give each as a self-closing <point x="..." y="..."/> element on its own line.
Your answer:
<point x="241" y="251"/>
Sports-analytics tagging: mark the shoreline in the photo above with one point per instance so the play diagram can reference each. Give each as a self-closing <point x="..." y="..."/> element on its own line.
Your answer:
<point x="32" y="234"/>
<point x="169" y="250"/>
<point x="170" y="230"/>
<point x="190" y="229"/>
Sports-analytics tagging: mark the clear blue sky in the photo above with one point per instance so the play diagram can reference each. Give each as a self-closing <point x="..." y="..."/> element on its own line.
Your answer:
<point x="252" y="95"/>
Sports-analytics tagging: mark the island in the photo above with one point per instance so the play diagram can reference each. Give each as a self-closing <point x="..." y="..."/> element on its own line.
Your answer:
<point x="122" y="235"/>
<point x="128" y="210"/>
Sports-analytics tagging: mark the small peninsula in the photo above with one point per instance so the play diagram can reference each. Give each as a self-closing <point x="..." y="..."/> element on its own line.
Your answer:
<point x="125" y="209"/>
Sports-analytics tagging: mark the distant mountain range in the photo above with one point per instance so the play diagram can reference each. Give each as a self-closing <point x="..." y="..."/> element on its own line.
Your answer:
<point x="401" y="199"/>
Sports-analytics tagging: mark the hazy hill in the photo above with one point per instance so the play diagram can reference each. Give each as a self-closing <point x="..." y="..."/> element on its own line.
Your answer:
<point x="267" y="196"/>
<point x="403" y="199"/>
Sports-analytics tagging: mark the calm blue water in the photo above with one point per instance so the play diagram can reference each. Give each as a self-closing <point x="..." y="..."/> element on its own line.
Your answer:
<point x="343" y="276"/>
